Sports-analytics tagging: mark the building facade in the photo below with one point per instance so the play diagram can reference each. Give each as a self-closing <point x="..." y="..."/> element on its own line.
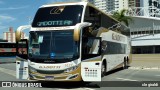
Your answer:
<point x="120" y="4"/>
<point x="133" y="3"/>
<point x="145" y="31"/>
<point x="101" y="4"/>
<point x="145" y="35"/>
<point x="149" y="7"/>
<point x="10" y="35"/>
<point x="110" y="5"/>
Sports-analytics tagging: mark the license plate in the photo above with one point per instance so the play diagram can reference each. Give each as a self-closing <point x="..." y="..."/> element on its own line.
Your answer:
<point x="49" y="77"/>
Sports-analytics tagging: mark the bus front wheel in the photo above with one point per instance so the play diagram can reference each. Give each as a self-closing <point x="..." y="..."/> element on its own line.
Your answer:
<point x="125" y="64"/>
<point x="103" y="69"/>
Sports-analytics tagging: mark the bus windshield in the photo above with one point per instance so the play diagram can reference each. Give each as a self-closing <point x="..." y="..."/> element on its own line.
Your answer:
<point x="53" y="45"/>
<point x="58" y="16"/>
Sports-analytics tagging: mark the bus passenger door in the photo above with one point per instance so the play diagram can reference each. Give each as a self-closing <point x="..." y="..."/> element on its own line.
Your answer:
<point x="22" y="59"/>
<point x="91" y="59"/>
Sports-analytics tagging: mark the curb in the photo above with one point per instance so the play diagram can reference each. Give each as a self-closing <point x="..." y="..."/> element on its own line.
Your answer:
<point x="145" y="68"/>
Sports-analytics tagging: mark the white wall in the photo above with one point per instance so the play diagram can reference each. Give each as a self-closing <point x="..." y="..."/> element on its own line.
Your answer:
<point x="144" y="22"/>
<point x="147" y="40"/>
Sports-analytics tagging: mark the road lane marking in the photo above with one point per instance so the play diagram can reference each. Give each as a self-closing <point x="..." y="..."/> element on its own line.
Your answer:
<point x="135" y="68"/>
<point x="8" y="71"/>
<point x="144" y="68"/>
<point x="126" y="79"/>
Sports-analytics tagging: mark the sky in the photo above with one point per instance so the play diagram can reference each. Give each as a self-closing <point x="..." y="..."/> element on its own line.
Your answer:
<point x="14" y="13"/>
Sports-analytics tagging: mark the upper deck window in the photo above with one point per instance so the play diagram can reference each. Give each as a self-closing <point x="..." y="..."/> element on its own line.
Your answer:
<point x="58" y="16"/>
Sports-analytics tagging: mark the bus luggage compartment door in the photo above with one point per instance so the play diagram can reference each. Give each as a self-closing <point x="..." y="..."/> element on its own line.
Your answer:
<point x="91" y="71"/>
<point x="22" y="69"/>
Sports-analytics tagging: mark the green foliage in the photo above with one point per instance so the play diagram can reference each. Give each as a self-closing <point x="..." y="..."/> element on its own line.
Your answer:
<point x="120" y="16"/>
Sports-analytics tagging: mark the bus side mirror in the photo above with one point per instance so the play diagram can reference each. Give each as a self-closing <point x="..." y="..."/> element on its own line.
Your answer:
<point x="76" y="33"/>
<point x="19" y="30"/>
<point x="18" y="35"/>
<point x="77" y="29"/>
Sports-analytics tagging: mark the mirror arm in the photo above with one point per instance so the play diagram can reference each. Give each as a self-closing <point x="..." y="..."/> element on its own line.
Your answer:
<point x="78" y="28"/>
<point x="19" y="31"/>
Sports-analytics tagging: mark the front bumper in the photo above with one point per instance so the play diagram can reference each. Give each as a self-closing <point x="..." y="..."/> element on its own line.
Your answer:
<point x="69" y="76"/>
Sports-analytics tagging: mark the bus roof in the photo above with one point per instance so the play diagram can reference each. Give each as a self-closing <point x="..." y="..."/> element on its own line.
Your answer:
<point x="64" y="3"/>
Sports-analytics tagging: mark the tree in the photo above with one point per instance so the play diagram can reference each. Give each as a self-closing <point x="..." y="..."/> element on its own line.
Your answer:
<point x="120" y="16"/>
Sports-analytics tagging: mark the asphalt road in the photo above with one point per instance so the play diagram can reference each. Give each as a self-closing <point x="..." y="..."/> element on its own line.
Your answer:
<point x="109" y="82"/>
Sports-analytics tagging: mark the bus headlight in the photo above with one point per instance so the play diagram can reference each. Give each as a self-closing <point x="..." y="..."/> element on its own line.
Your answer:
<point x="71" y="69"/>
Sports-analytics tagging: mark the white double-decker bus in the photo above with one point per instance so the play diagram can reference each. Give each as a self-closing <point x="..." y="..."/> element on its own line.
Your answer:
<point x="71" y="42"/>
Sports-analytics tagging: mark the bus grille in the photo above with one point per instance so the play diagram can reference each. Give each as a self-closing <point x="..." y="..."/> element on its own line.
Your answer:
<point x="50" y="72"/>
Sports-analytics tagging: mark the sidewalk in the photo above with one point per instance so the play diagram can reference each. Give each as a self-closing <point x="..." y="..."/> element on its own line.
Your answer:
<point x="145" y="61"/>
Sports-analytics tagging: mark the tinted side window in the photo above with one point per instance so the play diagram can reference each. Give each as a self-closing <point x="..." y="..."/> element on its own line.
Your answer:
<point x="93" y="16"/>
<point x="113" y="48"/>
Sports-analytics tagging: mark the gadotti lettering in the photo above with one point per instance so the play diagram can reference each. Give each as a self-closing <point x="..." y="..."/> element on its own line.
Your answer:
<point x="50" y="67"/>
<point x="57" y="23"/>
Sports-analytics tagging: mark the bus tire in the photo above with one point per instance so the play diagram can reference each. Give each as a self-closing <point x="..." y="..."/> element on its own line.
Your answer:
<point x="103" y="69"/>
<point x="125" y="64"/>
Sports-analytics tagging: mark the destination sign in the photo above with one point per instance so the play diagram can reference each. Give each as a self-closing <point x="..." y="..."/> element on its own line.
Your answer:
<point x="55" y="23"/>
